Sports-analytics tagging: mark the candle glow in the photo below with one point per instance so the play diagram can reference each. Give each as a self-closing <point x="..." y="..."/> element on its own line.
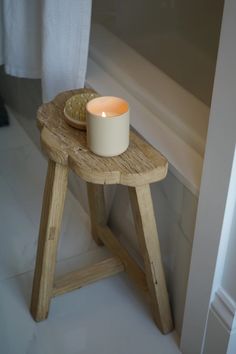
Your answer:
<point x="109" y="135"/>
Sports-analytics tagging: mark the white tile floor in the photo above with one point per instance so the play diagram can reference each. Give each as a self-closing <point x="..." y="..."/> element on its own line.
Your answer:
<point x="105" y="317"/>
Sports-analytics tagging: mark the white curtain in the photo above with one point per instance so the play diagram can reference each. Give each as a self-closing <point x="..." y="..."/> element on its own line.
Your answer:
<point x="46" y="39"/>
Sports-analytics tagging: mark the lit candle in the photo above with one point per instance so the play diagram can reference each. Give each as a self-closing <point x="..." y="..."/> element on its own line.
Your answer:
<point x="108" y="125"/>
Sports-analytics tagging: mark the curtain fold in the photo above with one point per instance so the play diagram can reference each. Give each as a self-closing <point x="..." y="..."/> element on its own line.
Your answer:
<point x="46" y="39"/>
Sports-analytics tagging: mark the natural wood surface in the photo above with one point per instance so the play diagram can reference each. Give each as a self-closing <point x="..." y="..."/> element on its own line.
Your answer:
<point x="140" y="164"/>
<point x="53" y="147"/>
<point x="144" y="220"/>
<point x="97" y="208"/>
<point x="52" y="209"/>
<point x="85" y="276"/>
<point x="131" y="267"/>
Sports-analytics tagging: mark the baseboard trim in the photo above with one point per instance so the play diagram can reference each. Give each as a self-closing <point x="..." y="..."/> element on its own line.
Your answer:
<point x="221" y="325"/>
<point x="225" y="308"/>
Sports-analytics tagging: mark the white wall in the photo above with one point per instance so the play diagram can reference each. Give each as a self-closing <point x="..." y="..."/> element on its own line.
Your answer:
<point x="221" y="323"/>
<point x="229" y="276"/>
<point x="211" y="286"/>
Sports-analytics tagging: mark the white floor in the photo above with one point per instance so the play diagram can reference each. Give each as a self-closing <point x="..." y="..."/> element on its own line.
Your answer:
<point x="105" y="317"/>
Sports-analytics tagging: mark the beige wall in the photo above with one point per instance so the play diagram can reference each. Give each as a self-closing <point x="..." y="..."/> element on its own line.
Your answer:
<point x="180" y="37"/>
<point x="198" y="20"/>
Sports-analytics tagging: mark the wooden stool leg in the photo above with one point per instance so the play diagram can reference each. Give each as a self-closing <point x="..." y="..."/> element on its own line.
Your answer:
<point x="51" y="216"/>
<point x="97" y="208"/>
<point x="141" y="201"/>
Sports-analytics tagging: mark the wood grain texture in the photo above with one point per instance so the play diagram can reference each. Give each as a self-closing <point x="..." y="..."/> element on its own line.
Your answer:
<point x="140" y="164"/>
<point x="53" y="147"/>
<point x="131" y="267"/>
<point x="144" y="220"/>
<point x="82" y="277"/>
<point x="52" y="209"/>
<point x="97" y="208"/>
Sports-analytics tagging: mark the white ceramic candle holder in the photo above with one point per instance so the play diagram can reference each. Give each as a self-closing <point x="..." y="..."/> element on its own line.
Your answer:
<point x="107" y="125"/>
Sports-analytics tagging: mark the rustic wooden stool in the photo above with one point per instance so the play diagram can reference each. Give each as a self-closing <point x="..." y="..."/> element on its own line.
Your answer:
<point x="139" y="166"/>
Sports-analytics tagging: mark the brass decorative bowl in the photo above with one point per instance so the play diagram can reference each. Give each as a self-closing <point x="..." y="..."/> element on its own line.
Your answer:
<point x="75" y="109"/>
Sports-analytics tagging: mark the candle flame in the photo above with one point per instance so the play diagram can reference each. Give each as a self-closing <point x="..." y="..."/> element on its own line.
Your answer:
<point x="104" y="114"/>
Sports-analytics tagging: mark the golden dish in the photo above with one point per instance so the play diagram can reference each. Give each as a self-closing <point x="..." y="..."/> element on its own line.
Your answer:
<point x="75" y="109"/>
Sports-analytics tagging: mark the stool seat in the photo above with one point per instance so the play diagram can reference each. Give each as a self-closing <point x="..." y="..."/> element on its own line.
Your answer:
<point x="66" y="148"/>
<point x="139" y="164"/>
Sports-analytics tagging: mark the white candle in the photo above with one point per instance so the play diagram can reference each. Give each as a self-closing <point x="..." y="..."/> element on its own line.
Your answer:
<point x="108" y="125"/>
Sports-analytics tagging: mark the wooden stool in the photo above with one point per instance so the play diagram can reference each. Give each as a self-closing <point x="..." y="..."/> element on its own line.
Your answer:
<point x="139" y="166"/>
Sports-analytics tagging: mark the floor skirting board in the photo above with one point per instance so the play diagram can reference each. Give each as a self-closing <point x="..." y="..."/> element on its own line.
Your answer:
<point x="221" y="325"/>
